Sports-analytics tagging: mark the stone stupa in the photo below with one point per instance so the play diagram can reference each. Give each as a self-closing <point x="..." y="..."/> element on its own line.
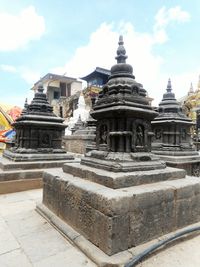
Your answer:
<point x="38" y="133"/>
<point x="83" y="133"/>
<point x="172" y="135"/>
<point x="37" y="146"/>
<point x="80" y="115"/>
<point x="120" y="195"/>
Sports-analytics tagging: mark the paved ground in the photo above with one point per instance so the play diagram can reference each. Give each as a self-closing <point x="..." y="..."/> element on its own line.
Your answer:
<point x="27" y="240"/>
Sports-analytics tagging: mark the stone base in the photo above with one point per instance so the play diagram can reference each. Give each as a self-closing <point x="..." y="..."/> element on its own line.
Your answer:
<point x="115" y="220"/>
<point x="92" y="251"/>
<point x="20" y="185"/>
<point x="121" y="179"/>
<point x="122" y="162"/>
<point x="191" y="164"/>
<point x="8" y="165"/>
<point x="175" y="153"/>
<point x="19" y="176"/>
<point x="36" y="156"/>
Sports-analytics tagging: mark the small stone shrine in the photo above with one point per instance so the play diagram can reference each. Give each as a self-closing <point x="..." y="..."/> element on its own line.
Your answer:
<point x="120" y="195"/>
<point x="37" y="146"/>
<point x="83" y="135"/>
<point x="172" y="135"/>
<point x="38" y="132"/>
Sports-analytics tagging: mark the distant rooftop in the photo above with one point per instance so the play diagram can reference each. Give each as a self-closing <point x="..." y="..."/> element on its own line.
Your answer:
<point x="98" y="71"/>
<point x="55" y="77"/>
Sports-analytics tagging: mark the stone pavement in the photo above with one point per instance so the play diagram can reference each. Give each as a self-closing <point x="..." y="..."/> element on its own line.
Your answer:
<point x="27" y="240"/>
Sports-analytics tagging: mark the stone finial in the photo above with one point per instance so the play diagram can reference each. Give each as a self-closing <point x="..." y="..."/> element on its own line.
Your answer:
<point x="40" y="87"/>
<point x="169" y="86"/>
<point x="25" y="107"/>
<point x="121" y="52"/>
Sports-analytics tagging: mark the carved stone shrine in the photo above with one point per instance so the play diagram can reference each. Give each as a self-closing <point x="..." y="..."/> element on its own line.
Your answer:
<point x="172" y="135"/>
<point x="38" y="133"/>
<point x="120" y="195"/>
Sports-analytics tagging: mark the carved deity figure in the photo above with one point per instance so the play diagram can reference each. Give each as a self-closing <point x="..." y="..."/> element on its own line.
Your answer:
<point x="103" y="134"/>
<point x="139" y="136"/>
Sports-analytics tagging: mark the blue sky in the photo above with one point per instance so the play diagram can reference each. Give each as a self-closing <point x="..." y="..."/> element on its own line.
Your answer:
<point x="73" y="37"/>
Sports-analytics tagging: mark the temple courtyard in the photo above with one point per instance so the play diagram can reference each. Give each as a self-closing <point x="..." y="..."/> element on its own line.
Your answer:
<point x="27" y="239"/>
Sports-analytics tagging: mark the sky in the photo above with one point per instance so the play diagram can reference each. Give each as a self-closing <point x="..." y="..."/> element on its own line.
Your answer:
<point x="161" y="39"/>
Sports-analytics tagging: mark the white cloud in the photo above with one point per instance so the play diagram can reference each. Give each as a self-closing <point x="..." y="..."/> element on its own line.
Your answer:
<point x="18" y="30"/>
<point x="166" y="16"/>
<point x="8" y="68"/>
<point x="147" y="66"/>
<point x="29" y="76"/>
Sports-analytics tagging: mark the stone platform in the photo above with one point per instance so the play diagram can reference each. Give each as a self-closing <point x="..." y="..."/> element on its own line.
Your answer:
<point x="20" y="176"/>
<point x="115" y="220"/>
<point x="27" y="155"/>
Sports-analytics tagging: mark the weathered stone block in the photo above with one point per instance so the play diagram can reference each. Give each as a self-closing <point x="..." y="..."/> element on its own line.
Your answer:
<point x="153" y="215"/>
<point x="117" y="219"/>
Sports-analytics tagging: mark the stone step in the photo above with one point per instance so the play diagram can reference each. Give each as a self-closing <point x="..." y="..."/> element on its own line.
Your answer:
<point x="20" y="185"/>
<point x="125" y="179"/>
<point x="8" y="165"/>
<point x="20" y="175"/>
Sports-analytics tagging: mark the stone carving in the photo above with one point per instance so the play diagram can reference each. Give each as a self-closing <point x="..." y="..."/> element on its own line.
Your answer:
<point x="140" y="136"/>
<point x="158" y="134"/>
<point x="103" y="134"/>
<point x="196" y="170"/>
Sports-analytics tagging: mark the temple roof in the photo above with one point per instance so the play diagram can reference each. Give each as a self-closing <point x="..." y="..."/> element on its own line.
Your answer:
<point x="97" y="72"/>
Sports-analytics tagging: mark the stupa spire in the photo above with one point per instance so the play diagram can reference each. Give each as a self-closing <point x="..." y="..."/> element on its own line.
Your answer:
<point x="121" y="52"/>
<point x="40" y="87"/>
<point x="169" y="95"/>
<point x="169" y="86"/>
<point x="25" y="107"/>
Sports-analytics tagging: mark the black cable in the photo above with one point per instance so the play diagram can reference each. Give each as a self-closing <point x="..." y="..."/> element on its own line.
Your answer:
<point x="150" y="249"/>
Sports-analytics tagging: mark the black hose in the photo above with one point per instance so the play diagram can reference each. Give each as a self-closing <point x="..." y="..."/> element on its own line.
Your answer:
<point x="150" y="249"/>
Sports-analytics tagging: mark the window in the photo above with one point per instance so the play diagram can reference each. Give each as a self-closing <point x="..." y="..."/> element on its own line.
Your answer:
<point x="63" y="89"/>
<point x="68" y="89"/>
<point x="56" y="95"/>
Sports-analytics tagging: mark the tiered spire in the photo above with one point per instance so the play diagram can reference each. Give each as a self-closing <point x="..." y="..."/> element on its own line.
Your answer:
<point x="40" y="103"/>
<point x="169" y="86"/>
<point x="25" y="107"/>
<point x="121" y="52"/>
<point x="168" y="95"/>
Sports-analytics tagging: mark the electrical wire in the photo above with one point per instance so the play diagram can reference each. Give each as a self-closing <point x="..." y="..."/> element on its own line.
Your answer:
<point x="138" y="258"/>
